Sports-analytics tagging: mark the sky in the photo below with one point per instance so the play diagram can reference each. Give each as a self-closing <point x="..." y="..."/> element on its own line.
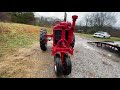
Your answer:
<point x="69" y="16"/>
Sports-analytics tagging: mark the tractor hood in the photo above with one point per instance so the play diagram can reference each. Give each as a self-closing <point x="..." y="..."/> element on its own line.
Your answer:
<point x="62" y="24"/>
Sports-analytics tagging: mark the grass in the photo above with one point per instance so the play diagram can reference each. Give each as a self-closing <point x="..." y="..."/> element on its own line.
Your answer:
<point x="99" y="39"/>
<point x="14" y="35"/>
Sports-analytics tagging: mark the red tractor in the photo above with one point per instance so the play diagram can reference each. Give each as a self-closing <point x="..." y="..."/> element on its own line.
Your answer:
<point x="63" y="44"/>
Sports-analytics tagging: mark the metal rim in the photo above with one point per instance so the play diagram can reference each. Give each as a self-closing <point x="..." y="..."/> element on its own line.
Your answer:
<point x="55" y="67"/>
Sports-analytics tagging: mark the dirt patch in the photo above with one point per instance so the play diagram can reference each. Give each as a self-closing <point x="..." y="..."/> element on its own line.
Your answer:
<point x="28" y="63"/>
<point x="25" y="62"/>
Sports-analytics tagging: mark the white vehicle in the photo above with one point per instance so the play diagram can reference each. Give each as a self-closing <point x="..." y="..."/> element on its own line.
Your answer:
<point x="101" y="34"/>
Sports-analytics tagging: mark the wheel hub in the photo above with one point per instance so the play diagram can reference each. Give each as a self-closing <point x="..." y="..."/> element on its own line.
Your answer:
<point x="55" y="68"/>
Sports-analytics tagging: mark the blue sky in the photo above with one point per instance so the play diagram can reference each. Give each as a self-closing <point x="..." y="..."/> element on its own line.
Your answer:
<point x="69" y="15"/>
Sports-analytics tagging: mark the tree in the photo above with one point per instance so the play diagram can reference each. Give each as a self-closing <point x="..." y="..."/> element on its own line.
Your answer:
<point x="4" y="16"/>
<point x="46" y="21"/>
<point x="99" y="20"/>
<point x="22" y="17"/>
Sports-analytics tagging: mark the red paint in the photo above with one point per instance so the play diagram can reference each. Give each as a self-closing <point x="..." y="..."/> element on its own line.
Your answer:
<point x="64" y="47"/>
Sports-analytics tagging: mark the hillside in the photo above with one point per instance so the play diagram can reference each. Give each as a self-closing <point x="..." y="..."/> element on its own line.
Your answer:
<point x="18" y="54"/>
<point x="13" y="36"/>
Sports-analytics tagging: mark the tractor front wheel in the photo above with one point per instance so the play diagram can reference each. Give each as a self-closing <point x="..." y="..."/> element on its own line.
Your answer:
<point x="58" y="67"/>
<point x="67" y="65"/>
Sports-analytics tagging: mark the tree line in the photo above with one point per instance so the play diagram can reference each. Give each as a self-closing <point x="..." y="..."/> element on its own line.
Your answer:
<point x="46" y="21"/>
<point x="27" y="18"/>
<point x="17" y="17"/>
<point x="99" y="21"/>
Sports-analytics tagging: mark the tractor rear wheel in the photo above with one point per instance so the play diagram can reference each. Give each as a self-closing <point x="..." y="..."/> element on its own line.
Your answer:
<point x="43" y="43"/>
<point x="67" y="65"/>
<point x="58" y="67"/>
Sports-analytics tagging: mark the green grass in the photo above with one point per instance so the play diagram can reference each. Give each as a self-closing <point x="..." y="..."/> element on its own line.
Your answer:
<point x="99" y="39"/>
<point x="13" y="36"/>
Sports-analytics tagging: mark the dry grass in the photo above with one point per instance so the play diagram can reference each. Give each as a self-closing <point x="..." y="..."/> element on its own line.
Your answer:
<point x="15" y="41"/>
<point x="13" y="35"/>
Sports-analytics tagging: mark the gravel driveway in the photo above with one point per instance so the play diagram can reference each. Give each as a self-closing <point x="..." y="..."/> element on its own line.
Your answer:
<point x="91" y="62"/>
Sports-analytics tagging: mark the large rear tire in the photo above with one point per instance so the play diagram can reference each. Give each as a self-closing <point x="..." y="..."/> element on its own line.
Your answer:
<point x="43" y="43"/>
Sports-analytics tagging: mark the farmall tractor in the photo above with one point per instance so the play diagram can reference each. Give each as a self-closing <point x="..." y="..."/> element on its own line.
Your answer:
<point x="63" y="44"/>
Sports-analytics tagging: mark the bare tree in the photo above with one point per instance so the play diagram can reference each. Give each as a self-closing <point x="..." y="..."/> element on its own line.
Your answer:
<point x="46" y="21"/>
<point x="86" y="20"/>
<point x="97" y="21"/>
<point x="4" y="16"/>
<point x="100" y="19"/>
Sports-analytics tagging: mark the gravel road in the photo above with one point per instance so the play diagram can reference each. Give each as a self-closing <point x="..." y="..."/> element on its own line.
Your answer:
<point x="92" y="62"/>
